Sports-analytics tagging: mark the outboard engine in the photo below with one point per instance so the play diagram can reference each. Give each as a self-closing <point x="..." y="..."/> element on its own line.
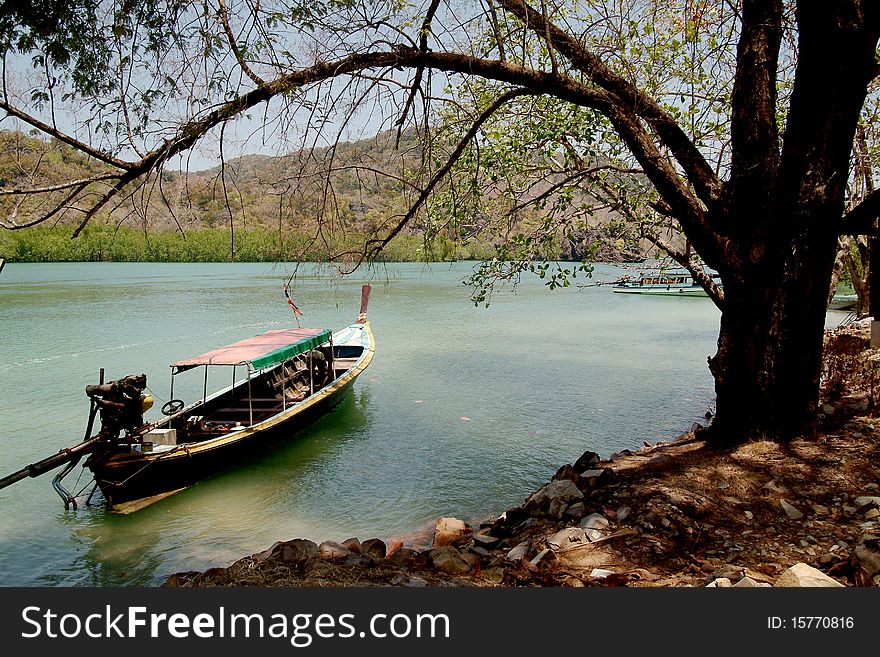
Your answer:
<point x="122" y="404"/>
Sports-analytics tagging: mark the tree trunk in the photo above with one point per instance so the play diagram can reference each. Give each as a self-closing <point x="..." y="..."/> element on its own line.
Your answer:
<point x="769" y="358"/>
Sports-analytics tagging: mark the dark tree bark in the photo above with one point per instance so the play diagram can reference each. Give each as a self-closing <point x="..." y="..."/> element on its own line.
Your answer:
<point x="786" y="214"/>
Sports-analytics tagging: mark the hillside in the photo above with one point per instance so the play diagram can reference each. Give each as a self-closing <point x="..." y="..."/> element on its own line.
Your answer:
<point x="313" y="204"/>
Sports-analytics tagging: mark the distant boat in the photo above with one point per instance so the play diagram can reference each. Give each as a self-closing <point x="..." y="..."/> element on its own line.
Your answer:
<point x="293" y="377"/>
<point x="662" y="283"/>
<point x="843" y="302"/>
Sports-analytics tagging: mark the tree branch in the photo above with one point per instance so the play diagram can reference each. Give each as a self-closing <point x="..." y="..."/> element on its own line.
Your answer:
<point x="706" y="183"/>
<point x="862" y="219"/>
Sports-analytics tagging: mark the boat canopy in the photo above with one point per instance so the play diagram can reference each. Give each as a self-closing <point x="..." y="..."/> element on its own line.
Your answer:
<point x="260" y="351"/>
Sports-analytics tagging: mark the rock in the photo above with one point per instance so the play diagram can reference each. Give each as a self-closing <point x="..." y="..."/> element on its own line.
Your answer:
<point x="719" y="583"/>
<point x="576" y="511"/>
<point x="586" y="461"/>
<point x="448" y="531"/>
<point x="601" y="573"/>
<point x="828" y="409"/>
<point x="405" y="557"/>
<point x="541" y="556"/>
<point x="485" y="541"/>
<point x="519" y="552"/>
<point x="867" y="500"/>
<point x="375" y="547"/>
<point x="480" y="551"/>
<point x="562" y="491"/>
<point x="622" y="513"/>
<point x="749" y="583"/>
<point x="872" y="487"/>
<point x="660" y="463"/>
<point x="595" y="478"/>
<point x="731" y="572"/>
<point x="352" y="544"/>
<point x="296" y="551"/>
<point x="594" y="526"/>
<point x="865" y="558"/>
<point x="493" y="575"/>
<point x="333" y="550"/>
<point x="393" y="546"/>
<point x="449" y="560"/>
<point x="872" y="513"/>
<point x="774" y="487"/>
<point x="557" y="509"/>
<point x="565" y="472"/>
<point x="801" y="575"/>
<point x="749" y="515"/>
<point x="790" y="511"/>
<point x="820" y="510"/>
<point x="566" y="538"/>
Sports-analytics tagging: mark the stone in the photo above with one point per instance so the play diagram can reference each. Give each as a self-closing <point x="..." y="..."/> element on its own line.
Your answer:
<point x="480" y="551"/>
<point x="375" y="547"/>
<point x="576" y="511"/>
<point x="557" y="509"/>
<point x="749" y="515"/>
<point x="719" y="583"/>
<point x="586" y="461"/>
<point x="405" y="557"/>
<point x="519" y="552"/>
<point x="622" y="513"/>
<point x="872" y="513"/>
<point x="296" y="551"/>
<point x="872" y="487"/>
<point x="448" y="531"/>
<point x="594" y="526"/>
<point x="393" y="546"/>
<point x="828" y="409"/>
<point x="867" y="500"/>
<point x="801" y="575"/>
<point x="566" y="538"/>
<point x="659" y="463"/>
<point x="774" y="487"/>
<point x="820" y="510"/>
<point x="567" y="471"/>
<point x="562" y="491"/>
<point x="865" y="558"/>
<point x="601" y="573"/>
<point x="493" y="575"/>
<point x="790" y="511"/>
<point x="449" y="560"/>
<point x="333" y="550"/>
<point x="731" y="572"/>
<point x="749" y="583"/>
<point x="595" y="478"/>
<point x="352" y="544"/>
<point x="541" y="556"/>
<point x="485" y="541"/>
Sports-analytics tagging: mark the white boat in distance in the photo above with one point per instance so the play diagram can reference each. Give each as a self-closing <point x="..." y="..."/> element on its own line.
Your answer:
<point x="664" y="283"/>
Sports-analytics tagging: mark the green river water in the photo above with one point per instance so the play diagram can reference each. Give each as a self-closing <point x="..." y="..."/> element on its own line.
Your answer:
<point x="463" y="412"/>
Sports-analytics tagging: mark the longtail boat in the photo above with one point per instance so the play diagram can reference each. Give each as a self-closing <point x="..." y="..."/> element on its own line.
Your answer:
<point x="291" y="377"/>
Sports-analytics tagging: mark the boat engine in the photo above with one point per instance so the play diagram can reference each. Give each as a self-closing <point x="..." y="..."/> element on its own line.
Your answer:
<point x="122" y="404"/>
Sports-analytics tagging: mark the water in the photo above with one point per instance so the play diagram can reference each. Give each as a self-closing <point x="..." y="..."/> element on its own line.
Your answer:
<point x="463" y="411"/>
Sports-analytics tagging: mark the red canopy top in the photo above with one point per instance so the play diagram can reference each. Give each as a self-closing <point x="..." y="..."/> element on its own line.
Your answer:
<point x="261" y="350"/>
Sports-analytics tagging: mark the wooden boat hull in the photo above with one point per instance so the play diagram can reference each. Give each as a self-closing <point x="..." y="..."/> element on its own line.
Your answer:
<point x="131" y="479"/>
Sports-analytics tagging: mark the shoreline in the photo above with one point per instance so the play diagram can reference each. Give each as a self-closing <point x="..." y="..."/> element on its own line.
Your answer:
<point x="672" y="514"/>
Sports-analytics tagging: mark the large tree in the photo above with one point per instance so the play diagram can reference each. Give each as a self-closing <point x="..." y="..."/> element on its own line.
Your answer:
<point x="135" y="83"/>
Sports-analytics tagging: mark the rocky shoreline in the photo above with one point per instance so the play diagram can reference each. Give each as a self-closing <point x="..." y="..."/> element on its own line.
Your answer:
<point x="678" y="513"/>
